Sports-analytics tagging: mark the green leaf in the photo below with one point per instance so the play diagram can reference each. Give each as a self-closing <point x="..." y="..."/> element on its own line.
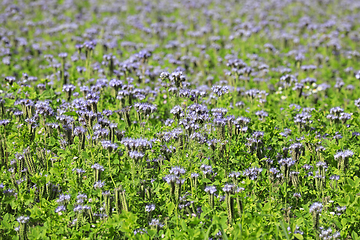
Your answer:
<point x="357" y="181"/>
<point x="298" y="236"/>
<point x="206" y="180"/>
<point x="183" y="225"/>
<point x="85" y="155"/>
<point x="70" y="114"/>
<point x="47" y="94"/>
<point x="171" y="207"/>
<point x="354" y="235"/>
<point x="86" y="227"/>
<point x="344" y="221"/>
<point x="267" y="206"/>
<point x="284" y="230"/>
<point x="6" y="217"/>
<point x="208" y="231"/>
<point x="351" y="182"/>
<point x="347" y="199"/>
<point x="5" y="224"/>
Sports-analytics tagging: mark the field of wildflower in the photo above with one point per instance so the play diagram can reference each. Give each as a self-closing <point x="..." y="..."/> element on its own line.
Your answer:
<point x="157" y="119"/>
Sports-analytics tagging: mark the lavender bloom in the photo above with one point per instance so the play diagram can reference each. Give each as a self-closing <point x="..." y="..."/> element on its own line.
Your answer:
<point x="63" y="55"/>
<point x="273" y="171"/>
<point x="168" y="122"/>
<point x="344" y="155"/>
<point x="212" y="143"/>
<point x="242" y="121"/>
<point x="287" y="162"/>
<point x="234" y="174"/>
<point x="115" y="83"/>
<point x="4" y="122"/>
<point x="322" y="165"/>
<point x="297" y="195"/>
<point x="155" y="223"/>
<point x="240" y="104"/>
<point x="136" y="144"/>
<point x="258" y="135"/>
<point x="177" y="111"/>
<point x="261" y="114"/>
<point x="108" y="145"/>
<point x="316" y="207"/>
<point x="327" y="234"/>
<point x="98" y="167"/>
<point x="336" y="110"/>
<point x="136" y="155"/>
<point x="164" y="75"/>
<point x="68" y="88"/>
<point x="145" y="108"/>
<point x="23" y="219"/>
<point x="60" y="208"/>
<point x="78" y="208"/>
<point x="206" y="169"/>
<point x="210" y="189"/>
<point x="64" y="198"/>
<point x="320" y="149"/>
<point x="355" y="134"/>
<point x="357" y="101"/>
<point x="220" y="90"/>
<point x="194" y="175"/>
<point x="150" y="207"/>
<point x="99" y="184"/>
<point x="10" y="79"/>
<point x="43" y="108"/>
<point x="220" y="122"/>
<point x="344" y="117"/>
<point x="297" y="231"/>
<point x="177" y="171"/>
<point x="140" y="231"/>
<point x="81" y="198"/>
<point x="122" y="94"/>
<point x="334" y="177"/>
<point x="286" y="132"/>
<point x="79" y="130"/>
<point x="170" y="178"/>
<point x="307" y="166"/>
<point x="219" y="112"/>
<point x="302" y="118"/>
<point x="228" y="188"/>
<point x="252" y="172"/>
<point x="340" y="210"/>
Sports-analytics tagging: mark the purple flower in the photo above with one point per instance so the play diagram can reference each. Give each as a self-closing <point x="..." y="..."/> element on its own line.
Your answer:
<point x="210" y="189"/>
<point x="99" y="184"/>
<point x="228" y="188"/>
<point x="316" y="207"/>
<point x="150" y="207"/>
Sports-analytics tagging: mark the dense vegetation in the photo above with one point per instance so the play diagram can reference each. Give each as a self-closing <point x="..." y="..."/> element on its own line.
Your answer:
<point x="181" y="119"/>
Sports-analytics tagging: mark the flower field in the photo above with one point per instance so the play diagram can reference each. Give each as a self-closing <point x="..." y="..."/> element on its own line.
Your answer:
<point x="180" y="119"/>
